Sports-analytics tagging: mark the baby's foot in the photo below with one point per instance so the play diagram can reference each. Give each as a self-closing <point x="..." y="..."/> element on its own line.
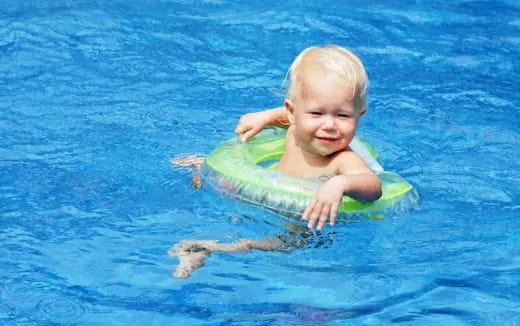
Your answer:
<point x="190" y="262"/>
<point x="192" y="254"/>
<point x="194" y="161"/>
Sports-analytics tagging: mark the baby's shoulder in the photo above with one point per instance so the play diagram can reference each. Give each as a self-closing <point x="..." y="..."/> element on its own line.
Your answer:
<point x="346" y="154"/>
<point x="348" y="161"/>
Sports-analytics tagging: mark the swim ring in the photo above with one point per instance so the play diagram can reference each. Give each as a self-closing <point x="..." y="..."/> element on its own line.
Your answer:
<point x="244" y="171"/>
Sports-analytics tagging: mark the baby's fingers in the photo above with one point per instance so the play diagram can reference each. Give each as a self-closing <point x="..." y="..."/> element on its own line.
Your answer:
<point x="315" y="213"/>
<point x="333" y="213"/>
<point x="308" y="209"/>
<point x="246" y="135"/>
<point x="240" y="128"/>
<point x="323" y="216"/>
<point x="246" y="132"/>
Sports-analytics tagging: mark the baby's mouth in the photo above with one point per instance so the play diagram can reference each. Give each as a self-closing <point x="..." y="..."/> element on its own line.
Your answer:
<point x="328" y="140"/>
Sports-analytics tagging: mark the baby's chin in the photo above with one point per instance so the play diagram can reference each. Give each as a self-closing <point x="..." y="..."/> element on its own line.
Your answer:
<point x="328" y="148"/>
<point x="324" y="152"/>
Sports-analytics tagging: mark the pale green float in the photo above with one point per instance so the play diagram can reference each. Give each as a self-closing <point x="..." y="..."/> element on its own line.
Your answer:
<point x="240" y="171"/>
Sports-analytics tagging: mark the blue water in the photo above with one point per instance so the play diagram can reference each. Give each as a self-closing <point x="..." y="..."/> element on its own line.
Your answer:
<point x="97" y="96"/>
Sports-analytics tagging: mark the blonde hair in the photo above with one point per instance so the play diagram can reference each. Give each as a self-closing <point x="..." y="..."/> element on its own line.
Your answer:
<point x="336" y="60"/>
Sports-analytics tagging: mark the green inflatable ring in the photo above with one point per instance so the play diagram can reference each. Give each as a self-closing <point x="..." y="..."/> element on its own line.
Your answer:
<point x="244" y="172"/>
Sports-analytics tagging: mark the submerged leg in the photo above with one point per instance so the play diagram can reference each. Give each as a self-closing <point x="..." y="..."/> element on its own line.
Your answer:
<point x="193" y="253"/>
<point x="194" y="161"/>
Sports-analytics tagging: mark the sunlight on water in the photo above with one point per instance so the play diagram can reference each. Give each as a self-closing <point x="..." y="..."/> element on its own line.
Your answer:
<point x="97" y="97"/>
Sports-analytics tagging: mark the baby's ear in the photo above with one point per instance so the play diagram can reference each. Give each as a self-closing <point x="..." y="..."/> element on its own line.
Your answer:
<point x="290" y="110"/>
<point x="362" y="111"/>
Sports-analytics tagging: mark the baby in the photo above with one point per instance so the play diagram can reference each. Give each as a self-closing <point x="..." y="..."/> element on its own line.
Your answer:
<point x="326" y="98"/>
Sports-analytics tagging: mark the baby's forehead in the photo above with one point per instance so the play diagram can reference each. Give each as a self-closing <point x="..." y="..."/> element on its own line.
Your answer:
<point x="314" y="81"/>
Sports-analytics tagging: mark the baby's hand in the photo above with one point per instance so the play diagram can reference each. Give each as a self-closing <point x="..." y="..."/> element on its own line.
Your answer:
<point x="325" y="203"/>
<point x="250" y="124"/>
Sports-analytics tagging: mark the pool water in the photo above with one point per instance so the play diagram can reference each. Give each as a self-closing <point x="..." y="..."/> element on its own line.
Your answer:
<point x="97" y="96"/>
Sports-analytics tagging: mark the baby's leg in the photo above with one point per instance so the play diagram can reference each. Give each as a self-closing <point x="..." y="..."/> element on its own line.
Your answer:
<point x="268" y="244"/>
<point x="194" y="161"/>
<point x="189" y="246"/>
<point x="242" y="245"/>
<point x="193" y="253"/>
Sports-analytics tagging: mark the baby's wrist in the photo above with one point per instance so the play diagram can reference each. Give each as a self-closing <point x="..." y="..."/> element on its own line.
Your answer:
<point x="343" y="182"/>
<point x="267" y="117"/>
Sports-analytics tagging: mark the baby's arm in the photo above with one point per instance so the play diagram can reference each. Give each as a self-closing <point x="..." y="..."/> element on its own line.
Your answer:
<point x="252" y="123"/>
<point x="354" y="179"/>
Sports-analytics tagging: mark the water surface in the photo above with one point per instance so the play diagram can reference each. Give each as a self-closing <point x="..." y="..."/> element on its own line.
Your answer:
<point x="96" y="97"/>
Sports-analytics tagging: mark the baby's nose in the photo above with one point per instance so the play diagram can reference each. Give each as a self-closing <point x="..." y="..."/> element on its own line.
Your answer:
<point x="329" y="122"/>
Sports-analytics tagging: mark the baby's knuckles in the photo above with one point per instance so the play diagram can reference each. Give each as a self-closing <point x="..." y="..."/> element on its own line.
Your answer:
<point x="328" y="197"/>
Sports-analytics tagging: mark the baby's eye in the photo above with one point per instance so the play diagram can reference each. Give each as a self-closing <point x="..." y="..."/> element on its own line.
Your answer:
<point x="316" y="113"/>
<point x="343" y="115"/>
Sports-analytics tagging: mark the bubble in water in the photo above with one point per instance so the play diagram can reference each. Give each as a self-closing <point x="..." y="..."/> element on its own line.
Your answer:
<point x="235" y="219"/>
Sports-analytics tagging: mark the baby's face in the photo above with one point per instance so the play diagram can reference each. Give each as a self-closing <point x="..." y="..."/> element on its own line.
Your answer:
<point x="324" y="115"/>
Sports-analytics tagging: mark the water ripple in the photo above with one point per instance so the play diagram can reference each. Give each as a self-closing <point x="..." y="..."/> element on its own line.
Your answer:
<point x="59" y="308"/>
<point x="41" y="301"/>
